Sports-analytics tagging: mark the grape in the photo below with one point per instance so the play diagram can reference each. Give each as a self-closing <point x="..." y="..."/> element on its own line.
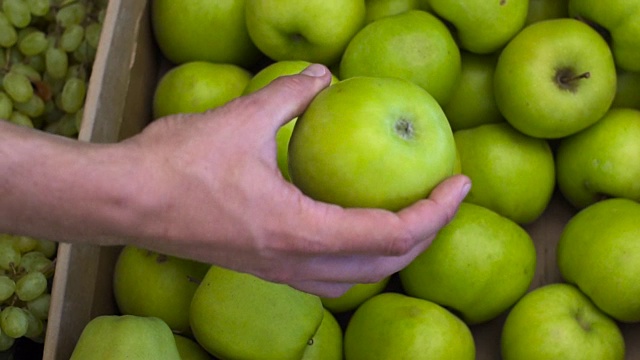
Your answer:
<point x="7" y="287"/>
<point x="79" y="117"/>
<point x="77" y="71"/>
<point x="35" y="261"/>
<point x="71" y="14"/>
<point x="66" y="126"/>
<point x="14" y="321"/>
<point x="21" y="119"/>
<point x="27" y="71"/>
<point x="9" y="255"/>
<point x="93" y="34"/>
<point x="57" y="62"/>
<point x="39" y="7"/>
<point x="6" y="106"/>
<point x="18" y="12"/>
<point x="6" y="342"/>
<point x="71" y="38"/>
<point x="31" y="285"/>
<point x="47" y="247"/>
<point x="40" y="306"/>
<point x="32" y="108"/>
<point x="73" y="94"/>
<point x="24" y="244"/>
<point x="8" y="34"/>
<point x="35" y="327"/>
<point x="36" y="62"/>
<point x="17" y="86"/>
<point x="33" y="43"/>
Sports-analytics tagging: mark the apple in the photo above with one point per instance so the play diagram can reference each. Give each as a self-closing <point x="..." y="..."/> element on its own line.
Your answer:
<point x="557" y="321"/>
<point x="628" y="90"/>
<point x="512" y="173"/>
<point x="189" y="349"/>
<point x="617" y="21"/>
<point x="414" y="45"/>
<point x="396" y="326"/>
<point x="326" y="343"/>
<point x="601" y="161"/>
<point x="599" y="251"/>
<point x="261" y="79"/>
<point x="146" y="283"/>
<point x="377" y="9"/>
<point x="482" y="27"/>
<point x="314" y="30"/>
<point x="239" y="316"/>
<point x="540" y="10"/>
<point x="477" y="266"/>
<point x="198" y="86"/>
<point x="555" y="78"/>
<point x="354" y="297"/>
<point x="371" y="142"/>
<point x="202" y="30"/>
<point x="472" y="102"/>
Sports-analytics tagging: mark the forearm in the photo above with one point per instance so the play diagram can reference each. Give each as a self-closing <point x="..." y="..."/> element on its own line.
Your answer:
<point x="62" y="189"/>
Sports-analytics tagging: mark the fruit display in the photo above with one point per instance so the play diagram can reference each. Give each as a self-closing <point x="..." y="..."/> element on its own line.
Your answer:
<point x="537" y="101"/>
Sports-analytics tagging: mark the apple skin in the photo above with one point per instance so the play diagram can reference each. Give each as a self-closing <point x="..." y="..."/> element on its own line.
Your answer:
<point x="557" y="321"/>
<point x="599" y="251"/>
<point x="377" y="9"/>
<point x="473" y="102"/>
<point x="314" y="30"/>
<point x="482" y="27"/>
<point x="147" y="283"/>
<point x="326" y="343"/>
<point x="531" y="81"/>
<point x="478" y="265"/>
<point x="512" y="174"/>
<point x="189" y="30"/>
<point x="602" y="160"/>
<point x="354" y="297"/>
<point x="618" y="20"/>
<point x="414" y="45"/>
<point x="396" y="326"/>
<point x="628" y="90"/>
<point x="198" y="86"/>
<point x="362" y="127"/>
<point x="540" y="10"/>
<point x="189" y="349"/>
<point x="261" y="79"/>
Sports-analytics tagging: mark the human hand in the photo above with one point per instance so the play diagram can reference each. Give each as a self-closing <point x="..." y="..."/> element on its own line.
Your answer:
<point x="213" y="192"/>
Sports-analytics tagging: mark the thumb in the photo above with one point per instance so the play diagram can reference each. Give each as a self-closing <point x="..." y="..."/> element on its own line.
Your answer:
<point x="288" y="96"/>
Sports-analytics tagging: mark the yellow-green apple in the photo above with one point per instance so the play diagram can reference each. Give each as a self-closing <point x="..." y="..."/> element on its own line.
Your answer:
<point x="354" y="297"/>
<point x="478" y="265"/>
<point x="377" y="9"/>
<point x="146" y="283"/>
<point x="557" y="321"/>
<point x="599" y="252"/>
<point x="261" y="79"/>
<point x="555" y="78"/>
<point x="189" y="349"/>
<point x="198" y="86"/>
<point x="396" y="326"/>
<point x="312" y="30"/>
<point x="202" y="30"/>
<point x="540" y="10"/>
<point x="601" y="161"/>
<point x="363" y="127"/>
<point x="628" y="90"/>
<point x="472" y="102"/>
<point x="481" y="26"/>
<point x="326" y="343"/>
<point x="109" y="337"/>
<point x="617" y="21"/>
<point x="239" y="316"/>
<point x="414" y="45"/>
<point x="513" y="174"/>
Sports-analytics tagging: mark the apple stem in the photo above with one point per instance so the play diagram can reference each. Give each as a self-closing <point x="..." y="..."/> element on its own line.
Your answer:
<point x="567" y="79"/>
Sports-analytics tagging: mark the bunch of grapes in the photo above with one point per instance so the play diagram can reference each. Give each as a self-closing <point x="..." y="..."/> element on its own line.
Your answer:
<point x="47" y="49"/>
<point x="26" y="269"/>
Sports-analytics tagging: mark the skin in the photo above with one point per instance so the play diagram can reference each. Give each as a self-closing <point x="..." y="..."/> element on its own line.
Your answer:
<point x="207" y="188"/>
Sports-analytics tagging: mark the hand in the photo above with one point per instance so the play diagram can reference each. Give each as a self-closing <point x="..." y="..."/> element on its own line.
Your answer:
<point x="215" y="194"/>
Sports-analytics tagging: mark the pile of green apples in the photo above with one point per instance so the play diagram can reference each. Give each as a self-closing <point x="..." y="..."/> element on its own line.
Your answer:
<point x="535" y="100"/>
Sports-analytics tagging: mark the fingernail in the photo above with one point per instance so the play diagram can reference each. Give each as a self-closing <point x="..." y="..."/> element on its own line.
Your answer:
<point x="315" y="70"/>
<point x="465" y="190"/>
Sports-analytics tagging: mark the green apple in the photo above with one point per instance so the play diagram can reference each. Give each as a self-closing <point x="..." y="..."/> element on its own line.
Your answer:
<point x="601" y="161"/>
<point x="555" y="78"/>
<point x="397" y="326"/>
<point x="540" y="10"/>
<point x="628" y="90"/>
<point x="512" y="173"/>
<point x="482" y="26"/>
<point x="361" y="128"/>
<point x="239" y="316"/>
<point x="261" y="79"/>
<point x="189" y="349"/>
<point x="354" y="297"/>
<point x="414" y="45"/>
<point x="478" y="265"/>
<point x="599" y="251"/>
<point x="377" y="9"/>
<point x="198" y="86"/>
<point x="326" y="343"/>
<point x="120" y="337"/>
<point x="472" y="102"/>
<point x="313" y="30"/>
<point x="202" y="30"/>
<point x="146" y="283"/>
<point x="617" y="21"/>
<point x="557" y="321"/>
